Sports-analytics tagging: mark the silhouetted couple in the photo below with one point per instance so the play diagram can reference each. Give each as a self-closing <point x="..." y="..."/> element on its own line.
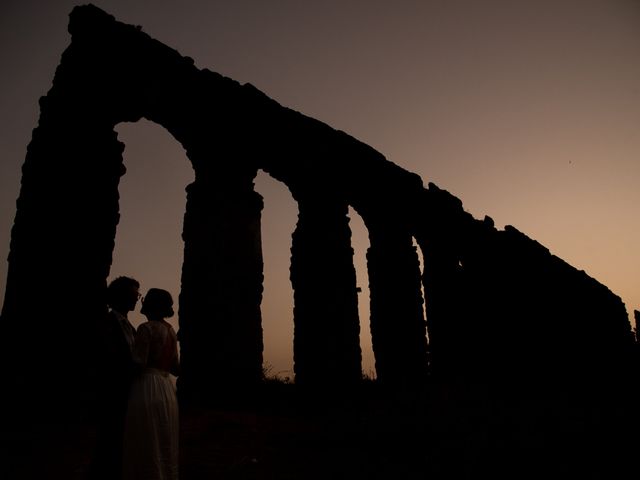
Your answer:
<point x="138" y="412"/>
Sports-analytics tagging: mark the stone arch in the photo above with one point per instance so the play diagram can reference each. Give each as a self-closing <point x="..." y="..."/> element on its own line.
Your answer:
<point x="62" y="240"/>
<point x="112" y="73"/>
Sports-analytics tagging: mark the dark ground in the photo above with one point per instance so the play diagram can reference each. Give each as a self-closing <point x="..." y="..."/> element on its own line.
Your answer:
<point x="438" y="433"/>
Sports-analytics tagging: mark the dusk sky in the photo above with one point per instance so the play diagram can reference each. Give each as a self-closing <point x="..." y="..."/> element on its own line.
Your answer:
<point x="528" y="111"/>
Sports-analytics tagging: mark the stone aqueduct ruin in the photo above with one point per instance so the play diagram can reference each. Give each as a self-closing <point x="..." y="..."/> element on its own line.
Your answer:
<point x="498" y="304"/>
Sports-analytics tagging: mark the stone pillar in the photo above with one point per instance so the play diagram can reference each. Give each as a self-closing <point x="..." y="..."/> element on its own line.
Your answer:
<point x="326" y="327"/>
<point x="442" y="291"/>
<point x="398" y="330"/>
<point x="61" y="248"/>
<point x="438" y="232"/>
<point x="220" y="321"/>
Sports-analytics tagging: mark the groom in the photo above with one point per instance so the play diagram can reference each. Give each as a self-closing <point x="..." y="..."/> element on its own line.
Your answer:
<point x="116" y="375"/>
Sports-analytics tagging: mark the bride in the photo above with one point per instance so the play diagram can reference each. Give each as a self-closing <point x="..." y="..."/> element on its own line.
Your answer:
<point x="151" y="427"/>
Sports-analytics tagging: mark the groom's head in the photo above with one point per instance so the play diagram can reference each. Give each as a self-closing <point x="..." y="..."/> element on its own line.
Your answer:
<point x="123" y="294"/>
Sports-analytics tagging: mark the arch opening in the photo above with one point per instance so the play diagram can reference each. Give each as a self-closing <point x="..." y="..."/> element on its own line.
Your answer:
<point x="279" y="218"/>
<point x="152" y="202"/>
<point x="360" y="244"/>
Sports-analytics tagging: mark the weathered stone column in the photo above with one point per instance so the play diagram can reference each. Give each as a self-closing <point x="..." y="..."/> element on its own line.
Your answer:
<point x="61" y="247"/>
<point x="442" y="292"/>
<point x="398" y="330"/>
<point x="326" y="329"/>
<point x="220" y="321"/>
<point x="438" y="232"/>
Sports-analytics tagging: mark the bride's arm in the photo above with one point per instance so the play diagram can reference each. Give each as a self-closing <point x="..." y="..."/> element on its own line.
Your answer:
<point x="175" y="362"/>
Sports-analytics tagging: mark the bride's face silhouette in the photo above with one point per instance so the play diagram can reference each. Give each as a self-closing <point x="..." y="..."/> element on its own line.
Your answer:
<point x="146" y="308"/>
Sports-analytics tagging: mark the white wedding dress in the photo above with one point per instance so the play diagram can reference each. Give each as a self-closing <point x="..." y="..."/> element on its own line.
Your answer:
<point x="151" y="427"/>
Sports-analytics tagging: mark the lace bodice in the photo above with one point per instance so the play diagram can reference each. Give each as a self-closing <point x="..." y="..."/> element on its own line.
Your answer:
<point x="156" y="346"/>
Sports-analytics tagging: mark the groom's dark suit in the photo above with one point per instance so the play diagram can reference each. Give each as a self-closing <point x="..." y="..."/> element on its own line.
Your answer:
<point x="116" y="374"/>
